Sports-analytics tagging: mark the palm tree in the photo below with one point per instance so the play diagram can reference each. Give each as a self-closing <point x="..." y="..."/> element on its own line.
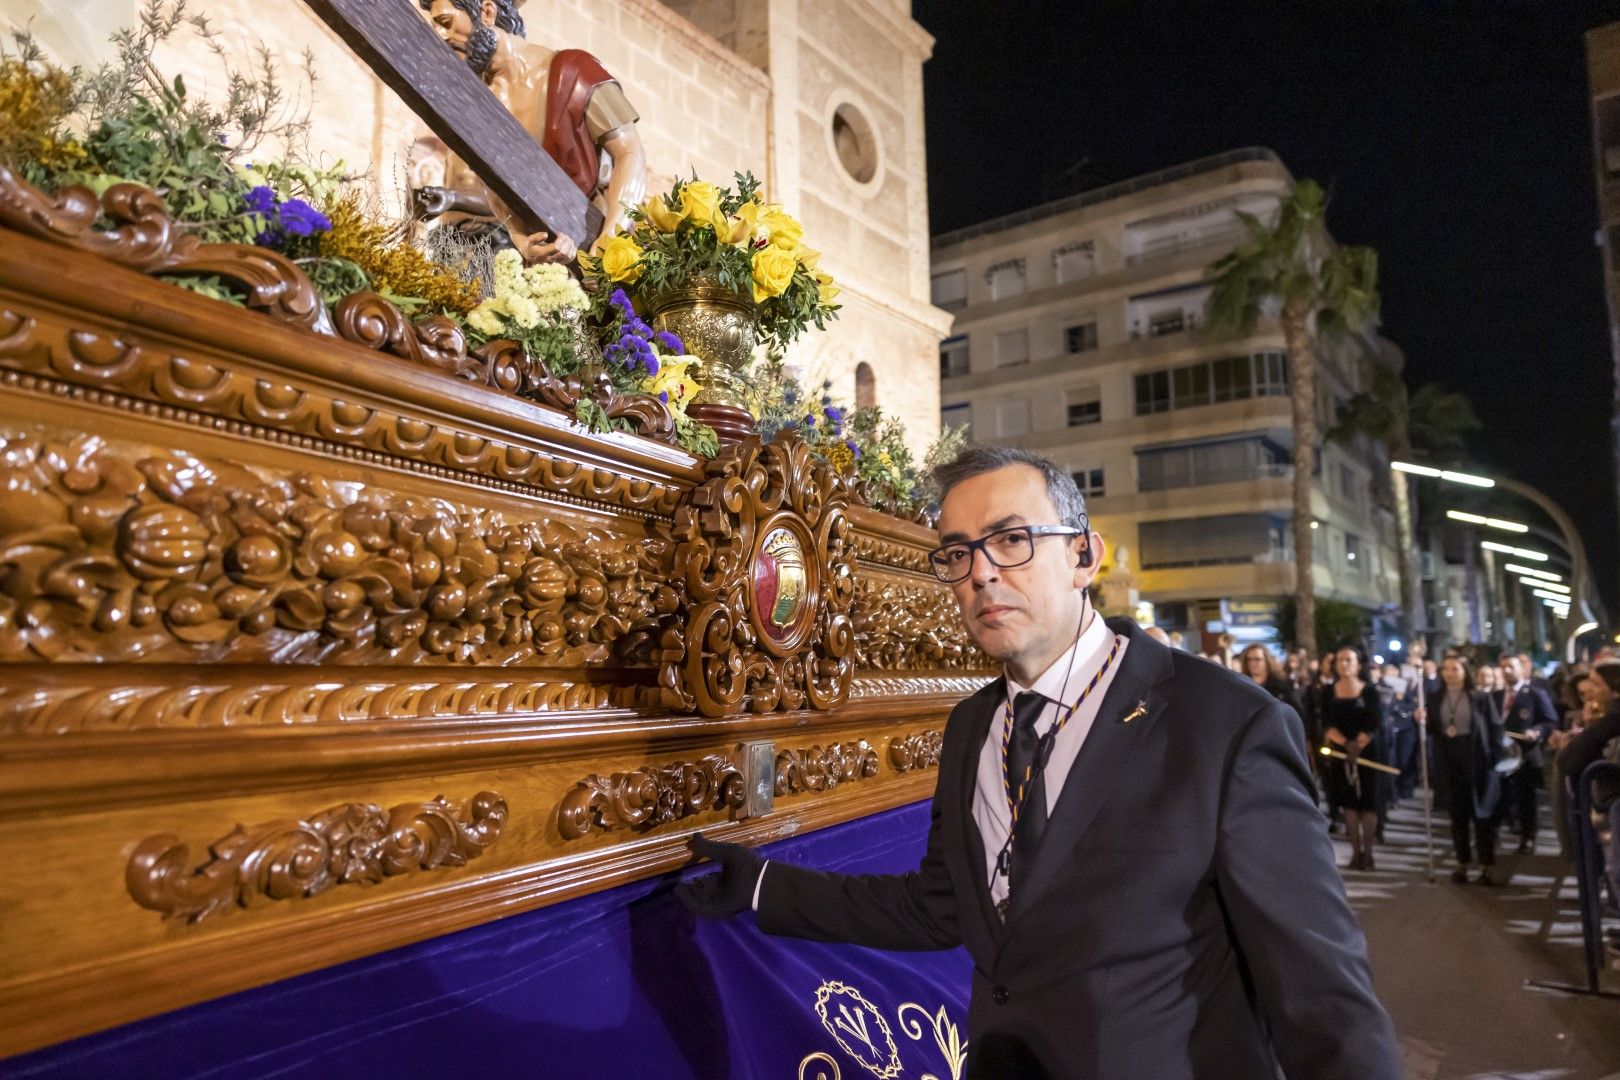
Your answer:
<point x="1426" y="426"/>
<point x="1291" y="268"/>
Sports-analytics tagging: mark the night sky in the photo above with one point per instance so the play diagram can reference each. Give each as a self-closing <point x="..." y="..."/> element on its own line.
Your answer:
<point x="1454" y="138"/>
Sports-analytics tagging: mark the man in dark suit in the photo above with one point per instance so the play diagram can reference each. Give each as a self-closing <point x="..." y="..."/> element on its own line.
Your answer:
<point x="1124" y="837"/>
<point x="1528" y="712"/>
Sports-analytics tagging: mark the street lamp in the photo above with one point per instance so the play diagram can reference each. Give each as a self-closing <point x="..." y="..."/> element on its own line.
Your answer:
<point x="1443" y="474"/>
<point x="1508" y="549"/>
<point x="1480" y="519"/>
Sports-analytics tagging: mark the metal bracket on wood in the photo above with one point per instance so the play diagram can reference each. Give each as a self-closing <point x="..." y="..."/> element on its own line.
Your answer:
<point x="759" y="778"/>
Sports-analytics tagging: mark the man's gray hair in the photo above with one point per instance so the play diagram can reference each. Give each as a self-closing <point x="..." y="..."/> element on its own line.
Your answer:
<point x="1060" y="486"/>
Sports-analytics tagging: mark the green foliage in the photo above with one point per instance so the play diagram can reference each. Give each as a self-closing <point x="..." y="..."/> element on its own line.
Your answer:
<point x="1337" y="623"/>
<point x="336" y="278"/>
<point x="696" y="439"/>
<point x="1438" y="422"/>
<point x="863" y="443"/>
<point x="592" y="417"/>
<point x="210" y="285"/>
<point x="1292" y="266"/>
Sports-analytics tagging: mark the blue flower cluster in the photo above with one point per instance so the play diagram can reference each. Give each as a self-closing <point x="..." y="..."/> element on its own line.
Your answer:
<point x="634" y="349"/>
<point x="830" y="412"/>
<point x="286" y="217"/>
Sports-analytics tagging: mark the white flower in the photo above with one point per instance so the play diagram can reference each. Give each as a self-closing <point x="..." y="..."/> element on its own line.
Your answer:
<point x="485" y="320"/>
<point x="509" y="273"/>
<point x="524" y="312"/>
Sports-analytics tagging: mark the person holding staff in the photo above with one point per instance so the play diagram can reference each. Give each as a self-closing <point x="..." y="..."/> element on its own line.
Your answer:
<point x="1468" y="739"/>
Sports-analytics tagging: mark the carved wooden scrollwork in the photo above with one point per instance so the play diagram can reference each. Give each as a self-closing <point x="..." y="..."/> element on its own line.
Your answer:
<point x="880" y="552"/>
<point x="651" y="796"/>
<point x="144" y="237"/>
<point x="902" y="626"/>
<point x="867" y="688"/>
<point x="820" y="768"/>
<point x="282" y="860"/>
<point x="373" y="321"/>
<point x="752" y="493"/>
<point x="93" y="704"/>
<point x="112" y="554"/>
<point x="919" y="750"/>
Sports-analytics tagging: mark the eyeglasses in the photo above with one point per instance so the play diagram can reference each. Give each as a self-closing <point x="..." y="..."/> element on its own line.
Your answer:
<point x="1004" y="548"/>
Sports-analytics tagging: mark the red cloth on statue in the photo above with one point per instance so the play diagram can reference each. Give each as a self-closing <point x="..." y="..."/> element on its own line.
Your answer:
<point x="575" y="75"/>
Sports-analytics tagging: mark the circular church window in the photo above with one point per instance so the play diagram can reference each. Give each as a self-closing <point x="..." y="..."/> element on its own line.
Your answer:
<point x="855" y="143"/>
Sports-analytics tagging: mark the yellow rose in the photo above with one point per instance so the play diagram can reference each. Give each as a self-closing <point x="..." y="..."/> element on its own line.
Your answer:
<point x="828" y="292"/>
<point x="780" y="227"/>
<point x="773" y="270"/>
<point x="700" y="202"/>
<point x="621" y="259"/>
<point x="806" y="257"/>
<point x="660" y="215"/>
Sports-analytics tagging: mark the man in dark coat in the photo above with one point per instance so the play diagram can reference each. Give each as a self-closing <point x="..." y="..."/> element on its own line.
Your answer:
<point x="1124" y="837"/>
<point x="1528" y="712"/>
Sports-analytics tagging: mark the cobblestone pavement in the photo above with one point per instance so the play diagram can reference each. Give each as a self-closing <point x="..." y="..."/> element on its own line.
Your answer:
<point x="1451" y="961"/>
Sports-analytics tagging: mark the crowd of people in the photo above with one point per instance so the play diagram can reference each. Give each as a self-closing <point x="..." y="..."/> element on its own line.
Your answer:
<point x="1501" y="739"/>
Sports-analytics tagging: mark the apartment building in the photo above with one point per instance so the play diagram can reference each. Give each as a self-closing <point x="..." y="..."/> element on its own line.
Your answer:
<point x="1079" y="333"/>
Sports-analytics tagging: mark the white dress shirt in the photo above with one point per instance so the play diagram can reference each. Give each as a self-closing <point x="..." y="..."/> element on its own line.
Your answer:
<point x="1078" y="664"/>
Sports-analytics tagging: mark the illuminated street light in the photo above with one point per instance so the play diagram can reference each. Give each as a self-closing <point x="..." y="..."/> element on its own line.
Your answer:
<point x="1495" y="523"/>
<point x="1558" y="599"/>
<point x="1550" y="586"/>
<point x="1507" y="549"/>
<point x="1443" y="474"/>
<point x="1527" y="571"/>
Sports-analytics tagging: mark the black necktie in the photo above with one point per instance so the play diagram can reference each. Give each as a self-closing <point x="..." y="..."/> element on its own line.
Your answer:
<point x="1021" y="754"/>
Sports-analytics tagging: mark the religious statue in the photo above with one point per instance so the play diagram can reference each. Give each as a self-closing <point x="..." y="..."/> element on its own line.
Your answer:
<point x="566" y="101"/>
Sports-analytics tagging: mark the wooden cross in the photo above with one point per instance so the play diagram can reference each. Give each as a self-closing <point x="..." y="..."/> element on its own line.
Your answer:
<point x="393" y="40"/>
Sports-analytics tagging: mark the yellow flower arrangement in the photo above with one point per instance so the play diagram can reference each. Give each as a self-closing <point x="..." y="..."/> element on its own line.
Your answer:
<point x="725" y="238"/>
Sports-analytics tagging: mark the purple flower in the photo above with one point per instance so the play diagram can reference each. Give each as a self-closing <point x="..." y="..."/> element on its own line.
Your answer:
<point x="635" y="326"/>
<point x="261" y="200"/>
<point x="663" y="395"/>
<point x="853" y="448"/>
<point x="834" y="415"/>
<point x="622" y="302"/>
<point x="652" y="364"/>
<point x="670" y="342"/>
<point x="809" y="420"/>
<point x="301" y="219"/>
<point x="790" y="394"/>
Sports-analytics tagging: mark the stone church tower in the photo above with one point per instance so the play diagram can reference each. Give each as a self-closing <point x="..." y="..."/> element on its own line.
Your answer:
<point x="820" y="99"/>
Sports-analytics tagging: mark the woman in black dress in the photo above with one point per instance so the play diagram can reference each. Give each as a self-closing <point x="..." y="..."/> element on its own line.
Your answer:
<point x="1468" y="742"/>
<point x="1353" y="715"/>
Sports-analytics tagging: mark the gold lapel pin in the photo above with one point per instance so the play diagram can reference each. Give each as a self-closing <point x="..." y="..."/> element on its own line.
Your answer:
<point x="1141" y="707"/>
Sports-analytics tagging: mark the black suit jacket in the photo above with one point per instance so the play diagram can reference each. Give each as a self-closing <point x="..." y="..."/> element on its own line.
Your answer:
<point x="1533" y="713"/>
<point x="1183" y="918"/>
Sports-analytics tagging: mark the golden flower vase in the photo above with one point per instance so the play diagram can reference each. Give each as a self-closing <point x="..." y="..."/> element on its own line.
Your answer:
<point x="717" y="327"/>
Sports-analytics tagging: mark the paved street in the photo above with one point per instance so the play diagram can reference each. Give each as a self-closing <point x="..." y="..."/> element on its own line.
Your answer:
<point x="1451" y="963"/>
